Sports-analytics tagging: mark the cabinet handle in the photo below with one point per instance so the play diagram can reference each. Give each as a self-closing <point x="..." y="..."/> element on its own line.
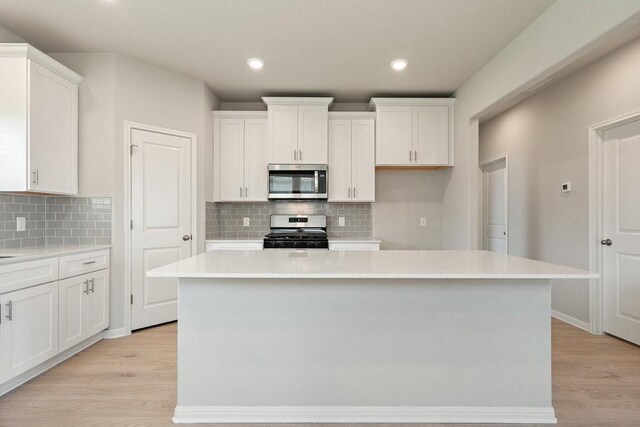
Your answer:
<point x="93" y="282"/>
<point x="349" y="192"/>
<point x="246" y="191"/>
<point x="9" y="315"/>
<point x="88" y="263"/>
<point x="240" y="191"/>
<point x="415" y="155"/>
<point x="354" y="192"/>
<point x="34" y="177"/>
<point x="86" y="287"/>
<point x="300" y="155"/>
<point x="409" y="155"/>
<point x="295" y="154"/>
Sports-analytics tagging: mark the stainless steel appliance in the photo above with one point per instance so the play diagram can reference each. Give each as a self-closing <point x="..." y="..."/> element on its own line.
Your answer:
<point x="297" y="232"/>
<point x="297" y="182"/>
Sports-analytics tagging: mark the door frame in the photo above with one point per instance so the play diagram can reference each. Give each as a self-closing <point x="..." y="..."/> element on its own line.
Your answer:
<point x="596" y="215"/>
<point x="483" y="210"/>
<point x="129" y="127"/>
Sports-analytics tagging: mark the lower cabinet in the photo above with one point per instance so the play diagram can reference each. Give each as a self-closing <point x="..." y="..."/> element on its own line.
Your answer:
<point x="84" y="307"/>
<point x="28" y="329"/>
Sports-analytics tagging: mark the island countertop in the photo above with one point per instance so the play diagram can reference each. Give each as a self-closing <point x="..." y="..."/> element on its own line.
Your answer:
<point x="322" y="264"/>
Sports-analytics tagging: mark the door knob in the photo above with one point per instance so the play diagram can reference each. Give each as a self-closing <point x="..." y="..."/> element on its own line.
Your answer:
<point x="606" y="242"/>
<point x="186" y="237"/>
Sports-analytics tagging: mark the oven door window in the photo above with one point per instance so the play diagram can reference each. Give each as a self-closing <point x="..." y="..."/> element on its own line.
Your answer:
<point x="287" y="182"/>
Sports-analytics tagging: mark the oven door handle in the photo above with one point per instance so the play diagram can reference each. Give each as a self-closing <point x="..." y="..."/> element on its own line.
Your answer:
<point x="315" y="176"/>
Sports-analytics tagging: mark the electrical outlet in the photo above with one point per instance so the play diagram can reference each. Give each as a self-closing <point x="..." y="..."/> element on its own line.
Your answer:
<point x="341" y="221"/>
<point x="246" y="221"/>
<point x="423" y="222"/>
<point x="21" y="223"/>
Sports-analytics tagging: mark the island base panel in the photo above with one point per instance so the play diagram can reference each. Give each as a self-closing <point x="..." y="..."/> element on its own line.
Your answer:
<point x="364" y="350"/>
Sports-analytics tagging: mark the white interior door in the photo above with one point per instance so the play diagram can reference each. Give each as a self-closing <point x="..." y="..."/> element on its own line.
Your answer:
<point x="161" y="214"/>
<point x="621" y="270"/>
<point x="496" y="234"/>
<point x="340" y="160"/>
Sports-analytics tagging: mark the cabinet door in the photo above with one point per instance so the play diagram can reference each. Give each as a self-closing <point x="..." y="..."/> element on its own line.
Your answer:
<point x="29" y="329"/>
<point x="339" y="160"/>
<point x="431" y="135"/>
<point x="394" y="136"/>
<point x="363" y="175"/>
<point x="231" y="159"/>
<point x="98" y="302"/>
<point x="312" y="134"/>
<point x="53" y="132"/>
<point x="73" y="306"/>
<point x="283" y="134"/>
<point x="255" y="160"/>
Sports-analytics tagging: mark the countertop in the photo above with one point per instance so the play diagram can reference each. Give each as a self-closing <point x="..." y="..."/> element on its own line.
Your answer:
<point x="30" y="253"/>
<point x="331" y="239"/>
<point x="312" y="264"/>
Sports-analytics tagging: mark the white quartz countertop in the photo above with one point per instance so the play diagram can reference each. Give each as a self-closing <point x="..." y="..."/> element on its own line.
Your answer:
<point x="312" y="264"/>
<point x="30" y="253"/>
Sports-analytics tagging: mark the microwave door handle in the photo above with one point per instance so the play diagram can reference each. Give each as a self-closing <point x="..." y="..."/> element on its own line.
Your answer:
<point x="315" y="176"/>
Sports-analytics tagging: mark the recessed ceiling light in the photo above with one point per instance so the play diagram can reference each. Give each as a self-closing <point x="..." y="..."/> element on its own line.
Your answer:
<point x="255" y="63"/>
<point x="399" y="64"/>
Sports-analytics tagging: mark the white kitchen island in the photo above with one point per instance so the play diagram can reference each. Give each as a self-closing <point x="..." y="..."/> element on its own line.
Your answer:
<point x="364" y="336"/>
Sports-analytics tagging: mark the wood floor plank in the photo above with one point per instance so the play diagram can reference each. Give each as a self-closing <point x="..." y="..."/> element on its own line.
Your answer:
<point x="132" y="382"/>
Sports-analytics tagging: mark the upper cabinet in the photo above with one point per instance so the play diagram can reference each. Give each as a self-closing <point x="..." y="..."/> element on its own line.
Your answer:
<point x="38" y="122"/>
<point x="351" y="157"/>
<point x="415" y="132"/>
<point x="240" y="156"/>
<point x="297" y="130"/>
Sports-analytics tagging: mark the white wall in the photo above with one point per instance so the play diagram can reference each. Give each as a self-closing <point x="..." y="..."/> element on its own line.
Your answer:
<point x="7" y="36"/>
<point x="547" y="141"/>
<point x="117" y="88"/>
<point x="402" y="197"/>
<point x="566" y="31"/>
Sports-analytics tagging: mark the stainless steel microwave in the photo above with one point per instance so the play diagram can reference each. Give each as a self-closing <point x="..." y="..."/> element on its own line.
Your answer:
<point x="297" y="182"/>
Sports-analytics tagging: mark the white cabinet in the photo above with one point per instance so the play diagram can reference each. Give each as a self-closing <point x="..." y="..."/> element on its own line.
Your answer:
<point x="351" y="157"/>
<point x="240" y="159"/>
<point x="29" y="329"/>
<point x="297" y="130"/>
<point x="414" y="131"/>
<point x="84" y="309"/>
<point x="39" y="110"/>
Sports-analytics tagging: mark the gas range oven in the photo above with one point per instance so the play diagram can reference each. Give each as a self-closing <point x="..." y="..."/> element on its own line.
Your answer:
<point x="297" y="232"/>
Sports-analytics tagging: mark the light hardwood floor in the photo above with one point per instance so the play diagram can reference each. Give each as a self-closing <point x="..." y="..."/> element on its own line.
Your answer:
<point x="131" y="382"/>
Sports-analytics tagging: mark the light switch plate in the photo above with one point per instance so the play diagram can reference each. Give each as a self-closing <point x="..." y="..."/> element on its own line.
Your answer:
<point x="246" y="221"/>
<point x="341" y="221"/>
<point x="21" y="223"/>
<point x="423" y="222"/>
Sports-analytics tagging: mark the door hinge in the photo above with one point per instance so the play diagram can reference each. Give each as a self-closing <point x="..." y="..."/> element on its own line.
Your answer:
<point x="131" y="299"/>
<point x="131" y="225"/>
<point x="131" y="149"/>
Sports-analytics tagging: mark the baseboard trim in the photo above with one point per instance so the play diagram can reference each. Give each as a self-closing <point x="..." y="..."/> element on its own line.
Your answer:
<point x="45" y="366"/>
<point x="580" y="324"/>
<point x="362" y="414"/>
<point x="110" y="334"/>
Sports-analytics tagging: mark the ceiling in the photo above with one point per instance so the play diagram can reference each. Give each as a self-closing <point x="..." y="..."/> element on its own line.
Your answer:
<point x="340" y="48"/>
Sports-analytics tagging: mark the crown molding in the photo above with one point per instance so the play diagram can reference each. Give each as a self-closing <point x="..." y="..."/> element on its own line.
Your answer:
<point x="24" y="50"/>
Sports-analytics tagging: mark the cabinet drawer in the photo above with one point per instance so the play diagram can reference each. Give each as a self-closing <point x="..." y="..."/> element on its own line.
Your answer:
<point x="25" y="274"/>
<point x="74" y="265"/>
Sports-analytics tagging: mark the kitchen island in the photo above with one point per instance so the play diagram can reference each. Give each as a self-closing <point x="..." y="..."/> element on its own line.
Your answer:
<point x="364" y="336"/>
